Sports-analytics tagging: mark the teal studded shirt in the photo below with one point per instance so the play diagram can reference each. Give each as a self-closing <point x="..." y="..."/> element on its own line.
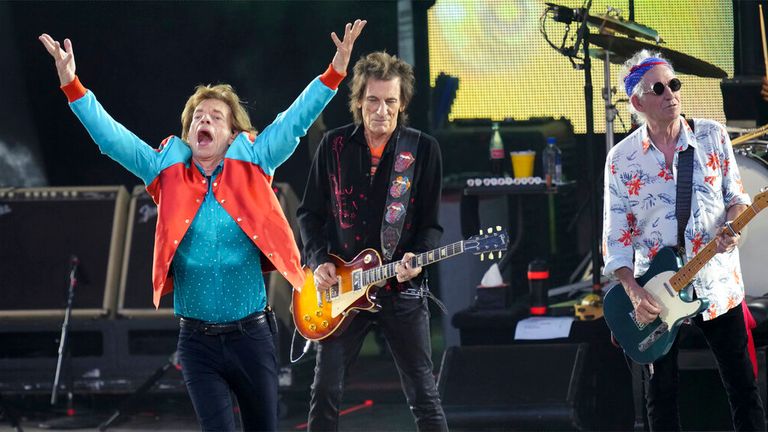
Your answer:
<point x="217" y="269"/>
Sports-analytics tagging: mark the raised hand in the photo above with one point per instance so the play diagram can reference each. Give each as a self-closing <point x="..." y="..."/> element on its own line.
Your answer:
<point x="344" y="47"/>
<point x="65" y="58"/>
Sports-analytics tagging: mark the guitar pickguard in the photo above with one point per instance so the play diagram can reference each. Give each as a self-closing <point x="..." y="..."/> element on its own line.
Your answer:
<point x="344" y="300"/>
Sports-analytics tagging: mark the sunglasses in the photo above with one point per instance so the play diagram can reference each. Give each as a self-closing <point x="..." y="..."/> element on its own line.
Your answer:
<point x="658" y="88"/>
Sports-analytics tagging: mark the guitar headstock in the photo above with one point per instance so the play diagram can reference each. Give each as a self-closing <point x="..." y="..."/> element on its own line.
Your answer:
<point x="760" y="201"/>
<point x="488" y="242"/>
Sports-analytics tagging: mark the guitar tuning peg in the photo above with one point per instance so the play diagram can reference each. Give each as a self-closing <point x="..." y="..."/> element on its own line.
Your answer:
<point x="498" y="228"/>
<point x="490" y="230"/>
<point x="482" y="257"/>
<point x="490" y="255"/>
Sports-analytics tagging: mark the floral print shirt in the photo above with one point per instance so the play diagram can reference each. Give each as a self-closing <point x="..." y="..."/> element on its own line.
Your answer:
<point x="639" y="208"/>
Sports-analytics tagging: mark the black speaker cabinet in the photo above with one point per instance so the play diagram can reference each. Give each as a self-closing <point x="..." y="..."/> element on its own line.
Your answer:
<point x="699" y="376"/>
<point x="41" y="229"/>
<point x="516" y="387"/>
<point x="135" y="295"/>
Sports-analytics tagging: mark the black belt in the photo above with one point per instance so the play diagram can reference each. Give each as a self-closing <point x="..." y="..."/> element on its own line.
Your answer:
<point x="213" y="329"/>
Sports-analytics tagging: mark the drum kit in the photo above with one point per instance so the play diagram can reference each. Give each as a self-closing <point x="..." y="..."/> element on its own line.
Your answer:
<point x="751" y="151"/>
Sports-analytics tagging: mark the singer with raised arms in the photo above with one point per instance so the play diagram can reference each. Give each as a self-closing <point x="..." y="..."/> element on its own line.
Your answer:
<point x="219" y="227"/>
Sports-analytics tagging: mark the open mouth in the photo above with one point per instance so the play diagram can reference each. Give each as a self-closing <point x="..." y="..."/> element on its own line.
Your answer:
<point x="204" y="138"/>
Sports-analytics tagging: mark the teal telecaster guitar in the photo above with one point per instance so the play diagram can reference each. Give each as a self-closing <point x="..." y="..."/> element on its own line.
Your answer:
<point x="664" y="280"/>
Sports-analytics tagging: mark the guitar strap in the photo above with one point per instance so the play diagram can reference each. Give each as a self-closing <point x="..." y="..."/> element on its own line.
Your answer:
<point x="684" y="191"/>
<point x="398" y="196"/>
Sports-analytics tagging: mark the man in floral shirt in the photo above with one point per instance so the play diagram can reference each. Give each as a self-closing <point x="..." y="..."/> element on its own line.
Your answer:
<point x="639" y="219"/>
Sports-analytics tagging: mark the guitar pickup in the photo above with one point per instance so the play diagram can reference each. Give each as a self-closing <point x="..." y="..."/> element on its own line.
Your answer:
<point x="653" y="337"/>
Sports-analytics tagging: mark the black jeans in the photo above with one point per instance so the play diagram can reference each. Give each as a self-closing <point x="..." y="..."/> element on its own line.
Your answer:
<point x="727" y="337"/>
<point x="242" y="362"/>
<point x="405" y="324"/>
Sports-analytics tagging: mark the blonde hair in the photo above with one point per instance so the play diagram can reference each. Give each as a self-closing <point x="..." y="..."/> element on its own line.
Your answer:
<point x="241" y="122"/>
<point x="384" y="67"/>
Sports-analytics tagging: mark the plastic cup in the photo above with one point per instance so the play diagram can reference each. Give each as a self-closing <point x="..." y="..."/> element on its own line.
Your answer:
<point x="522" y="163"/>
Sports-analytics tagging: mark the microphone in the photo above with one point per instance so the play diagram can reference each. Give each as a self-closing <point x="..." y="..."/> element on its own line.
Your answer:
<point x="564" y="14"/>
<point x="74" y="262"/>
<point x="77" y="273"/>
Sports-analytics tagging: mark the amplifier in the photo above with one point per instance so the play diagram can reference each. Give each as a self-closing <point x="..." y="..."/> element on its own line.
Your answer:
<point x="135" y="295"/>
<point x="41" y="230"/>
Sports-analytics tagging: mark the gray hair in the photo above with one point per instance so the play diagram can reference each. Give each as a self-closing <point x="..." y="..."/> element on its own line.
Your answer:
<point x="635" y="60"/>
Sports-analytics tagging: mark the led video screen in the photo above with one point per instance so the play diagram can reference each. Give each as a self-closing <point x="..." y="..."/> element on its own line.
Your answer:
<point x="506" y="69"/>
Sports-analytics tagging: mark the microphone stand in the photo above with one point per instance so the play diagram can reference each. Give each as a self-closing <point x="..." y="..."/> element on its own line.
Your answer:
<point x="590" y="137"/>
<point x="63" y="347"/>
<point x="580" y="16"/>
<point x="70" y="421"/>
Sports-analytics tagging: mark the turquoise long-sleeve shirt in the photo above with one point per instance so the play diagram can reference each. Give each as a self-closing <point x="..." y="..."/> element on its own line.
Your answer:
<point x="216" y="268"/>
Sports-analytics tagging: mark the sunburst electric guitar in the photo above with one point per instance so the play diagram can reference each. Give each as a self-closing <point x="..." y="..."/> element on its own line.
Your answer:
<point x="664" y="280"/>
<point x="319" y="315"/>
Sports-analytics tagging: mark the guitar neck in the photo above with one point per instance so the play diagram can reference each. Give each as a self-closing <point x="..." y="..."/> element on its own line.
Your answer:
<point x="382" y="273"/>
<point x="684" y="276"/>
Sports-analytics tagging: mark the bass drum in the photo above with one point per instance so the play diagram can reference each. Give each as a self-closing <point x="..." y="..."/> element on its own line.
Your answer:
<point x="751" y="160"/>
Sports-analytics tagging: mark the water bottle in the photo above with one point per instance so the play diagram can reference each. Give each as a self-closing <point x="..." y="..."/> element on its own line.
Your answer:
<point x="553" y="166"/>
<point x="496" y="152"/>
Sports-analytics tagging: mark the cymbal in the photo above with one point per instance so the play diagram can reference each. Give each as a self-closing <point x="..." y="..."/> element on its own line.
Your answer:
<point x="625" y="48"/>
<point x="611" y="24"/>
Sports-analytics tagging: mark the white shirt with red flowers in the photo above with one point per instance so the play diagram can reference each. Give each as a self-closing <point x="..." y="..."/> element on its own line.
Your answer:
<point x="639" y="208"/>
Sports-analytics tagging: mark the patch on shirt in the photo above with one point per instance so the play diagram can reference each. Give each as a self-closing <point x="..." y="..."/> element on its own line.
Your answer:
<point x="403" y="161"/>
<point x="395" y="211"/>
<point x="389" y="238"/>
<point x="400" y="185"/>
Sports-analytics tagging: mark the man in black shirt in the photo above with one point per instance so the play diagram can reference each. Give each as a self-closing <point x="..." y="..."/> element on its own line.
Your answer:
<point x="363" y="193"/>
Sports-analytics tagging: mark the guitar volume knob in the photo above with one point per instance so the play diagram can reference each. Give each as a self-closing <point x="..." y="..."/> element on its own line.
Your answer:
<point x="307" y="318"/>
<point x="319" y="313"/>
<point x="312" y="327"/>
<point x="324" y="324"/>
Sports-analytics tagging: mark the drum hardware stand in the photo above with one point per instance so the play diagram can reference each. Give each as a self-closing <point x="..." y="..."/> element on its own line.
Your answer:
<point x="172" y="362"/>
<point x="71" y="420"/>
<point x="567" y="16"/>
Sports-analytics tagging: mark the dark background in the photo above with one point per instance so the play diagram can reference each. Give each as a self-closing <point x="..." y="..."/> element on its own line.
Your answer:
<point x="143" y="59"/>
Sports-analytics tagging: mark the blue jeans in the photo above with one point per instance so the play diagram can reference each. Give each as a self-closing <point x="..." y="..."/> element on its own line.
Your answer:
<point x="242" y="362"/>
<point x="404" y="321"/>
<point x="727" y="337"/>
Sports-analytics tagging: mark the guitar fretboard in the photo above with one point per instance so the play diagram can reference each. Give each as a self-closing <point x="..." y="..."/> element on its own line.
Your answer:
<point x="382" y="273"/>
<point x="684" y="276"/>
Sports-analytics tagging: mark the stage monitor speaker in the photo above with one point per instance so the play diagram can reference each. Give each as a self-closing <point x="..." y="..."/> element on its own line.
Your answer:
<point x="41" y="229"/>
<point x="135" y="294"/>
<point x="516" y="387"/>
<point x="699" y="375"/>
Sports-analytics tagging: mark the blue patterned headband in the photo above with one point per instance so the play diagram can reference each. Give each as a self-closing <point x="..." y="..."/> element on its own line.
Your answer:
<point x="636" y="73"/>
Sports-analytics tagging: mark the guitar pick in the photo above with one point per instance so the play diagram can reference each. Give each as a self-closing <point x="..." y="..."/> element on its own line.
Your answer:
<point x="403" y="161"/>
<point x="399" y="186"/>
